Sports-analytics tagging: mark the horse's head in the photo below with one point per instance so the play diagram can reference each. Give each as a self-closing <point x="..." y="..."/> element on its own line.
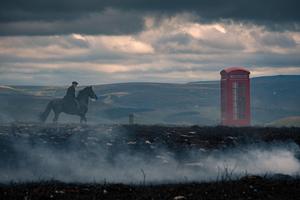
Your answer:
<point x="86" y="93"/>
<point x="91" y="93"/>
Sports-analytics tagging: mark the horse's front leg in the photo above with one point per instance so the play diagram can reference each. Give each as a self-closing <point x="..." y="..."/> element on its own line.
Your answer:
<point x="83" y="119"/>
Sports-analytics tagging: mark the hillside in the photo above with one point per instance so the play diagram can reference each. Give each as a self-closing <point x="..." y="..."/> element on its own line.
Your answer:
<point x="272" y="98"/>
<point x="275" y="97"/>
<point x="293" y="121"/>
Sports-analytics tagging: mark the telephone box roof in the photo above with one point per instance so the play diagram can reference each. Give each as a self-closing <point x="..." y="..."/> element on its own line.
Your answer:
<point x="232" y="69"/>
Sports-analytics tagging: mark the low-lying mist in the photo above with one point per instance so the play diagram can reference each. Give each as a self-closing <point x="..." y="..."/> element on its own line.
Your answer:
<point x="97" y="158"/>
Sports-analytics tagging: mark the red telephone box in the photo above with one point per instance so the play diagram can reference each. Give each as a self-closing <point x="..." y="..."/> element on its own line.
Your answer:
<point x="235" y="97"/>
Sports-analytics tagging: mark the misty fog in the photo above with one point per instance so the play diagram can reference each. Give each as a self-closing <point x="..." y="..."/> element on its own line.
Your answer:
<point x="83" y="158"/>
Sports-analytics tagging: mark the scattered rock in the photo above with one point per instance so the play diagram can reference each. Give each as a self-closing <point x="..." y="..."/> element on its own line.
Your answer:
<point x="179" y="198"/>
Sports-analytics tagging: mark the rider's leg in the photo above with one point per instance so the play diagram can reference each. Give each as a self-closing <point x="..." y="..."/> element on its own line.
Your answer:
<point x="77" y="104"/>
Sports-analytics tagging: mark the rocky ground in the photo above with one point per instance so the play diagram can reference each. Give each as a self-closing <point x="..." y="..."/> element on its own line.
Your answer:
<point x="135" y="135"/>
<point x="140" y="138"/>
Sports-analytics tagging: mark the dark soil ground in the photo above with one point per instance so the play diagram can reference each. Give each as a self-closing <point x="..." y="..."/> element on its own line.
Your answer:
<point x="250" y="187"/>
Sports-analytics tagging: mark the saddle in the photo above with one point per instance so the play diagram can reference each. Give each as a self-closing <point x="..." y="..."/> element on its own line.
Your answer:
<point x="70" y="104"/>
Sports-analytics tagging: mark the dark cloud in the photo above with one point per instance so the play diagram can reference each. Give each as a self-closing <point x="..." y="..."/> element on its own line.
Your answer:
<point x="35" y="17"/>
<point x="278" y="10"/>
<point x="107" y="22"/>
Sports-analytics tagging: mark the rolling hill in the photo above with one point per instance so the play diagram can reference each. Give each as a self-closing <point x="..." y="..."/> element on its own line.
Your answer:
<point x="272" y="98"/>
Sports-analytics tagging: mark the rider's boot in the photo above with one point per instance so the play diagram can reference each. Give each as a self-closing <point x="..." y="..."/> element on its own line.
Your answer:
<point x="77" y="105"/>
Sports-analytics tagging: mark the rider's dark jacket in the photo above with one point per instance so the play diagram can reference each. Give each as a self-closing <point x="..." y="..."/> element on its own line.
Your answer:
<point x="70" y="93"/>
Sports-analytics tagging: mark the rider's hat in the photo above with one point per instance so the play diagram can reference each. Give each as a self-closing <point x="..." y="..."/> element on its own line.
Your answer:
<point x="75" y="82"/>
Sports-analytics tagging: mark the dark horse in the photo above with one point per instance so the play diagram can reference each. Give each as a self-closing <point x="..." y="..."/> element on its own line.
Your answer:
<point x="60" y="105"/>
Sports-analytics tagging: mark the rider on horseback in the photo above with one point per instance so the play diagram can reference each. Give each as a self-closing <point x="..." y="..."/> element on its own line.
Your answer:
<point x="67" y="104"/>
<point x="70" y="97"/>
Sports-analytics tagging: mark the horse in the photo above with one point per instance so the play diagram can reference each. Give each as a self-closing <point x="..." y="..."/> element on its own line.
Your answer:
<point x="59" y="105"/>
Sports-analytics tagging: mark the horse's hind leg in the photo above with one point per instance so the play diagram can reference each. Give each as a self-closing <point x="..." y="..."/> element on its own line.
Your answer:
<point x="56" y="115"/>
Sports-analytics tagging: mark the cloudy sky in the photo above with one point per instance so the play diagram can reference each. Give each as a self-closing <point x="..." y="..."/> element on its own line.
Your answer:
<point x="52" y="42"/>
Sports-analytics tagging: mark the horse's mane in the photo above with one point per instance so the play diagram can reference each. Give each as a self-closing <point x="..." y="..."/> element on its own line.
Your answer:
<point x="81" y="92"/>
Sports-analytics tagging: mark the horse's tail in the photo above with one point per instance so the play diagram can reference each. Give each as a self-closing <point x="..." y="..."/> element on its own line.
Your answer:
<point x="43" y="116"/>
